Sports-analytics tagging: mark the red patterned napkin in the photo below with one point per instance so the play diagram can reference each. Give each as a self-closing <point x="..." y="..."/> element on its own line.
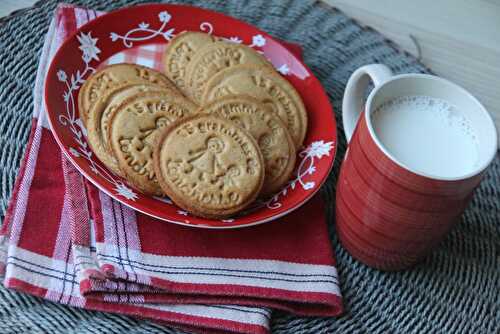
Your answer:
<point x="66" y="241"/>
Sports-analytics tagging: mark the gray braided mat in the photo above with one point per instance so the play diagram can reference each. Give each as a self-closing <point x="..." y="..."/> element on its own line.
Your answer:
<point x="455" y="290"/>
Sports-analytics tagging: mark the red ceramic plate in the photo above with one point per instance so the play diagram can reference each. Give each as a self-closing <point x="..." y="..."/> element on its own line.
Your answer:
<point x="139" y="34"/>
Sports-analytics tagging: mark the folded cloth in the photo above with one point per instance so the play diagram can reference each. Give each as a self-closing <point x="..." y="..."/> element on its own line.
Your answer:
<point x="66" y="241"/>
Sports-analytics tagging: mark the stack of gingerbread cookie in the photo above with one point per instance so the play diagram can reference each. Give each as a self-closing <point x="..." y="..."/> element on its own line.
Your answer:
<point x="218" y="129"/>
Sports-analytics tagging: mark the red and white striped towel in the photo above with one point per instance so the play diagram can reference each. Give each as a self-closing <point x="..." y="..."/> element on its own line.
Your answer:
<point x="66" y="241"/>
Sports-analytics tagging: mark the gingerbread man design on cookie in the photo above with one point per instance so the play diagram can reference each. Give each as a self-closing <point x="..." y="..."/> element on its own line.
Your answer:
<point x="205" y="160"/>
<point x="140" y="148"/>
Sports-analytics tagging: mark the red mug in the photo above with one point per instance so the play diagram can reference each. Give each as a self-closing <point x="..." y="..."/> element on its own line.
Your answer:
<point x="417" y="149"/>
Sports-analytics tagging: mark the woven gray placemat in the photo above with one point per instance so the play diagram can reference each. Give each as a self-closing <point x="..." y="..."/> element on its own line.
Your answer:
<point x="455" y="290"/>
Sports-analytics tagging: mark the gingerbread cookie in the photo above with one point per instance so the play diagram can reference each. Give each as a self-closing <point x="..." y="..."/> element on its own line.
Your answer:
<point x="133" y="131"/>
<point x="111" y="76"/>
<point x="213" y="58"/>
<point x="267" y="129"/>
<point x="179" y="53"/>
<point x="209" y="166"/>
<point x="266" y="86"/>
<point x="100" y="113"/>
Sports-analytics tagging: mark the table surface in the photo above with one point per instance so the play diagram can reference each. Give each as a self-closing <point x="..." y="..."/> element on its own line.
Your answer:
<point x="457" y="39"/>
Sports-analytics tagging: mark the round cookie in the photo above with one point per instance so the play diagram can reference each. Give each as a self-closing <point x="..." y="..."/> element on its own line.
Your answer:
<point x="180" y="52"/>
<point x="100" y="113"/>
<point x="114" y="75"/>
<point x="209" y="166"/>
<point x="214" y="57"/>
<point x="267" y="86"/>
<point x="133" y="131"/>
<point x="275" y="143"/>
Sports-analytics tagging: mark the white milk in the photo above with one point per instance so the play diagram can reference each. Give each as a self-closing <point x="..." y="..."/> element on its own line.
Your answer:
<point x="427" y="135"/>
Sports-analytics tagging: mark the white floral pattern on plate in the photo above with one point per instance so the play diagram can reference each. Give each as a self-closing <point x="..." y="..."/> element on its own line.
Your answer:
<point x="316" y="150"/>
<point x="143" y="32"/>
<point x="90" y="51"/>
<point x="129" y="38"/>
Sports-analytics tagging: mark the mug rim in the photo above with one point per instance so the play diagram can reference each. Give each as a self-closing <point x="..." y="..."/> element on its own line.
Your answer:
<point x="478" y="170"/>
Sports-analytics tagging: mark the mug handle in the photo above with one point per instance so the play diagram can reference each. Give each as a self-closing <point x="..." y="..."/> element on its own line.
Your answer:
<point x="353" y="102"/>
